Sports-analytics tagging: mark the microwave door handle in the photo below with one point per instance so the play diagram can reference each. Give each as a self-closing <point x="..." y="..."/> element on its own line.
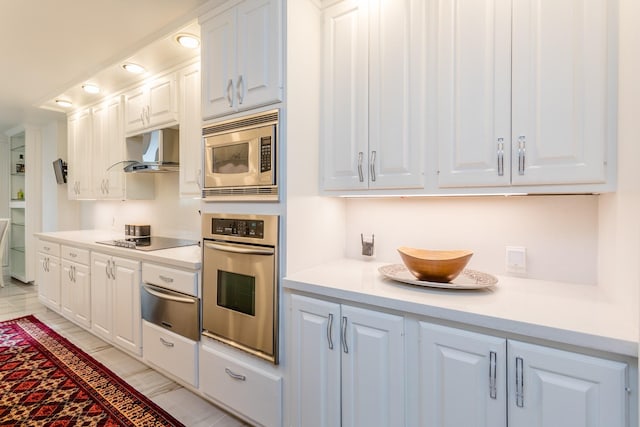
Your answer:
<point x="238" y="250"/>
<point x="167" y="296"/>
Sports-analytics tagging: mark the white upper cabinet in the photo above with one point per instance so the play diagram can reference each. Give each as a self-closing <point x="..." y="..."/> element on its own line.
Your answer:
<point x="108" y="143"/>
<point x="152" y="105"/>
<point x="241" y="57"/>
<point x="79" y="153"/>
<point x="372" y="129"/>
<point x="190" y="131"/>
<point x="524" y="92"/>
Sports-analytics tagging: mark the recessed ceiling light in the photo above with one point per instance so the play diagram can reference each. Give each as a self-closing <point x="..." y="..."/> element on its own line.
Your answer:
<point x="133" y="68"/>
<point x="63" y="103"/>
<point x="91" y="88"/>
<point x="188" y="40"/>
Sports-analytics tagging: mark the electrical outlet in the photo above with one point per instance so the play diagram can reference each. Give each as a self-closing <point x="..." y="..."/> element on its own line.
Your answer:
<point x="516" y="259"/>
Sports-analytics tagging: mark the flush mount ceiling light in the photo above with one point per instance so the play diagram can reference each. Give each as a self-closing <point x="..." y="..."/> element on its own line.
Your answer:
<point x="188" y="40"/>
<point x="133" y="68"/>
<point x="64" y="103"/>
<point x="91" y="88"/>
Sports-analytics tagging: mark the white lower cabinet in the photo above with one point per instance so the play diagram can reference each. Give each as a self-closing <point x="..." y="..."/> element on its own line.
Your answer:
<point x="475" y="380"/>
<point x="115" y="300"/>
<point x="243" y="388"/>
<point x="48" y="274"/>
<point x="164" y="349"/>
<point x="75" y="286"/>
<point x="557" y="388"/>
<point x="346" y="364"/>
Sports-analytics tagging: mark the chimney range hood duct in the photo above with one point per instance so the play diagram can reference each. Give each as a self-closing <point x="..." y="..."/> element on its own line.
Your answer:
<point x="154" y="151"/>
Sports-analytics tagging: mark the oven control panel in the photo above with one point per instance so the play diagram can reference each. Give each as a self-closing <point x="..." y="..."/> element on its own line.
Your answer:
<point x="252" y="228"/>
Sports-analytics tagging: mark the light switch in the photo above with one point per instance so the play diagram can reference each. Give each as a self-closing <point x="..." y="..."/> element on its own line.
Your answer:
<point x="516" y="259"/>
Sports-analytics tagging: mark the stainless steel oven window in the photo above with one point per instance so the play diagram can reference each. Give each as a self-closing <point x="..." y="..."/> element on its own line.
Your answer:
<point x="237" y="292"/>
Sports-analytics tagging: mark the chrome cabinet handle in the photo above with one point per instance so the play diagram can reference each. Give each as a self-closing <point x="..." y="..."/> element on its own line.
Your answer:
<point x="519" y="382"/>
<point x="522" y="153"/>
<point x="373" y="166"/>
<point x="330" y="332"/>
<point x="166" y="279"/>
<point x="106" y="269"/>
<point x="70" y="274"/>
<point x="345" y="348"/>
<point x="493" y="391"/>
<point x="198" y="178"/>
<point x="157" y="292"/>
<point x="234" y="375"/>
<point x="240" y="89"/>
<point x="500" y="156"/>
<point x="360" y="174"/>
<point x="73" y="254"/>
<point x="230" y="92"/>
<point x="166" y="343"/>
<point x="113" y="267"/>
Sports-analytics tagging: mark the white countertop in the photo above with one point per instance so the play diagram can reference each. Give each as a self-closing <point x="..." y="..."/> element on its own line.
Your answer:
<point x="189" y="257"/>
<point x="572" y="314"/>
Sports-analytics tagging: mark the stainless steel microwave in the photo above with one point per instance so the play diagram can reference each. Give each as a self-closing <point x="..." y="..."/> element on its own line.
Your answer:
<point x="240" y="158"/>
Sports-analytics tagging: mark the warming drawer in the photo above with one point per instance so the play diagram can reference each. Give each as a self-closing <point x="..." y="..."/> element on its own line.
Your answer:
<point x="173" y="311"/>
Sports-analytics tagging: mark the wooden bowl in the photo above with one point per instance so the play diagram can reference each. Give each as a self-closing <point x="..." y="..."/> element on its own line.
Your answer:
<point x="434" y="266"/>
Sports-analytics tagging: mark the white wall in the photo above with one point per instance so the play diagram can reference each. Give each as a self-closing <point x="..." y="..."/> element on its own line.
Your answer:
<point x="168" y="215"/>
<point x="619" y="250"/>
<point x="315" y="225"/>
<point x="559" y="232"/>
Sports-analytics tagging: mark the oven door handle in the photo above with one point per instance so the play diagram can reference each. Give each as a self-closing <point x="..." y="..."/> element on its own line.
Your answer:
<point x="249" y="250"/>
<point x="168" y="296"/>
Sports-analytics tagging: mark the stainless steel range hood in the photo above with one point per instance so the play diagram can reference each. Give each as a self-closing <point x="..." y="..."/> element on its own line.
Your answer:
<point x="154" y="151"/>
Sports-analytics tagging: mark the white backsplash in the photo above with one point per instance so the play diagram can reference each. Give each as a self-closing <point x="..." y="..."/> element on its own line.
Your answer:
<point x="167" y="214"/>
<point x="560" y="233"/>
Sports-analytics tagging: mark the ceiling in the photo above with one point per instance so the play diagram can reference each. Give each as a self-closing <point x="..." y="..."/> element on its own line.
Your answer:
<point x="49" y="48"/>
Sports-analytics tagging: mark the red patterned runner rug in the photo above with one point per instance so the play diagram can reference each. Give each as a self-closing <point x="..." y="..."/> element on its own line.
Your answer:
<point x="45" y="380"/>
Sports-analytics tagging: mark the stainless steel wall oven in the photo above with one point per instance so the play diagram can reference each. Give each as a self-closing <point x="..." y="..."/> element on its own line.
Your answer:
<point x="239" y="282"/>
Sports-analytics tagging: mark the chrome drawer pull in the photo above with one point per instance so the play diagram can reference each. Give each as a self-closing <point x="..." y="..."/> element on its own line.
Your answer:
<point x="493" y="390"/>
<point x="519" y="382"/>
<point x="166" y="343"/>
<point x="234" y="375"/>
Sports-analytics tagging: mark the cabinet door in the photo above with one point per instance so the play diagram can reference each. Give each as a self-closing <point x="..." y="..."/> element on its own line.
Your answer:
<point x="395" y="94"/>
<point x="346" y="104"/>
<point x="101" y="296"/>
<point x="259" y="53"/>
<point x="473" y="84"/>
<point x="555" y="388"/>
<point x="108" y="141"/>
<point x="218" y="36"/>
<point x="135" y="110"/>
<point x="82" y="295"/>
<point x="163" y="101"/>
<point x="562" y="74"/>
<point x="48" y="279"/>
<point x="461" y="369"/>
<point x="79" y="153"/>
<point x="67" y="290"/>
<point x="315" y="362"/>
<point x="373" y="369"/>
<point x="190" y="132"/>
<point x="127" y="320"/>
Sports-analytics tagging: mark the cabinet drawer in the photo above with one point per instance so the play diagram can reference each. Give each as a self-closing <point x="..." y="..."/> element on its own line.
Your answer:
<point x="171" y="278"/>
<point x="171" y="352"/>
<point x="49" y="248"/>
<point x="251" y="392"/>
<point x="70" y="253"/>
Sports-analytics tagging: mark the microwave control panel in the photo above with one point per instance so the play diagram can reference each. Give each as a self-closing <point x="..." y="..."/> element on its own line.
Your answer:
<point x="238" y="227"/>
<point x="265" y="154"/>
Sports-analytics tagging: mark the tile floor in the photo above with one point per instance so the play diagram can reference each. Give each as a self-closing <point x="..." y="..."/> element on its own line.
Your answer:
<point x="17" y="299"/>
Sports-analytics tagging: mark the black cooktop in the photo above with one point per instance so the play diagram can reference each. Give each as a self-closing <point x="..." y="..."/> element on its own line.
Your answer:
<point x="149" y="243"/>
